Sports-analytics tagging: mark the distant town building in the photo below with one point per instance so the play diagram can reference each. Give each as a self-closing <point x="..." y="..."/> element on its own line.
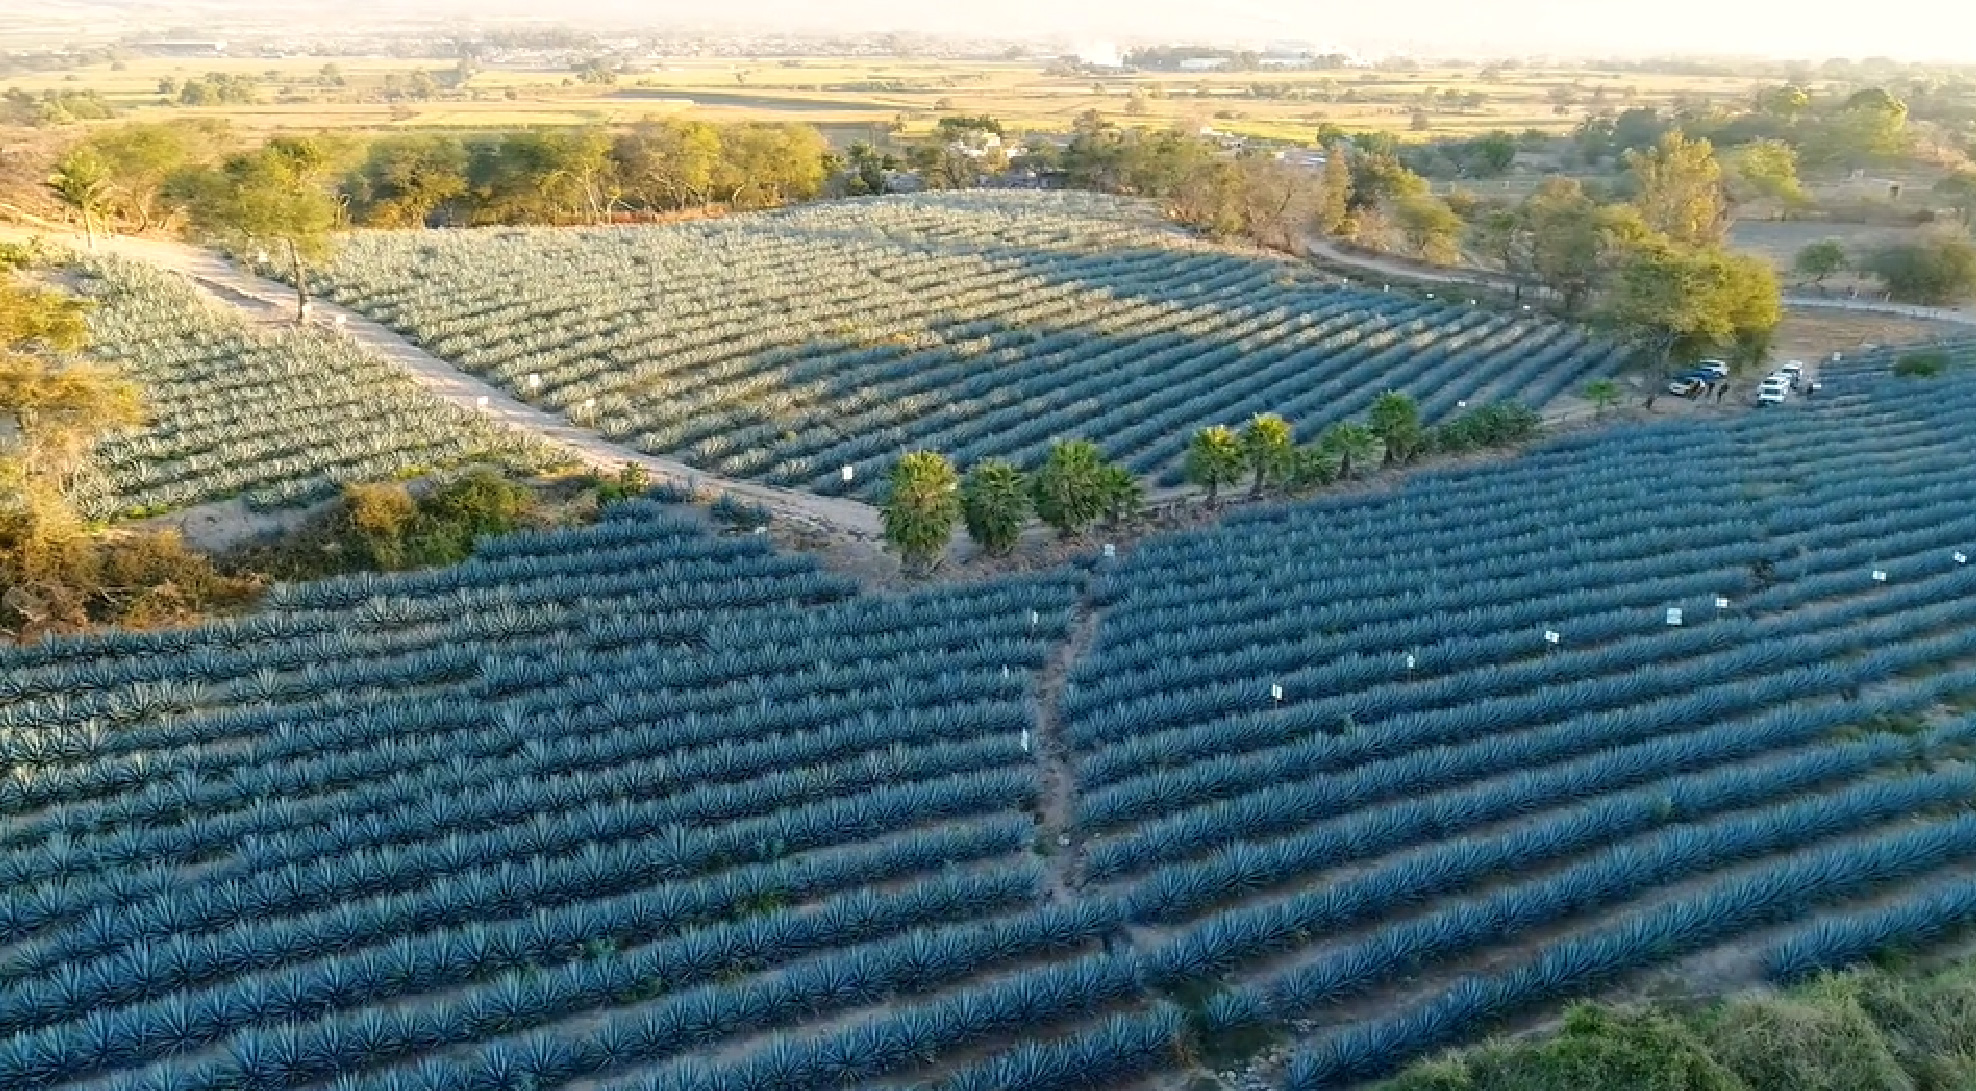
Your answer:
<point x="1203" y="64"/>
<point x="180" y="47"/>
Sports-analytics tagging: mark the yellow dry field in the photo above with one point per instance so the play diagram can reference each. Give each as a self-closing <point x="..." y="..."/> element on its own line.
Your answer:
<point x="851" y="98"/>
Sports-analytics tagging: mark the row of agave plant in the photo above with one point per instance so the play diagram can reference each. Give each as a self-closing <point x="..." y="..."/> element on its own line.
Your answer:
<point x="1739" y="649"/>
<point x="943" y="335"/>
<point x="279" y="417"/>
<point x="1922" y="918"/>
<point x="725" y="816"/>
<point x="676" y="927"/>
<point x="497" y="981"/>
<point x="486" y="606"/>
<point x="1608" y="877"/>
<point x="1291" y="804"/>
<point x="1788" y="889"/>
<point x="1265" y="654"/>
<point x="1181" y="891"/>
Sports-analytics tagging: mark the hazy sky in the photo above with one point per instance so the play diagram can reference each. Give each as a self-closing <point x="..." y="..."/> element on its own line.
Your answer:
<point x="1921" y="29"/>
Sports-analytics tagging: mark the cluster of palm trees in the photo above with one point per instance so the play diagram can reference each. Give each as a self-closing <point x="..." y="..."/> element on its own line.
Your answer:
<point x="1073" y="488"/>
<point x="1076" y="487"/>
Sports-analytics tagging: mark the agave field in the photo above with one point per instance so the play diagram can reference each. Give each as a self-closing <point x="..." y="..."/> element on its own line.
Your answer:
<point x="278" y="415"/>
<point x="1376" y="774"/>
<point x="637" y="807"/>
<point x="788" y="346"/>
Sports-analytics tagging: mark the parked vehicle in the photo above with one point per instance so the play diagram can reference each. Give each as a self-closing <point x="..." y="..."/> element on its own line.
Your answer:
<point x="1713" y="367"/>
<point x="1773" y="390"/>
<point x="1690" y="384"/>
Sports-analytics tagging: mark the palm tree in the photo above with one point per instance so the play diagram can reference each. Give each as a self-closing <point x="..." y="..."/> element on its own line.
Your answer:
<point x="1215" y="458"/>
<point x="1267" y="442"/>
<point x="1353" y="443"/>
<point x="995" y="504"/>
<point x="83" y="180"/>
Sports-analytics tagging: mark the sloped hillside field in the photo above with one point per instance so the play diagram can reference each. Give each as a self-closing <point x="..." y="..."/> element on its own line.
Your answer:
<point x="639" y="808"/>
<point x="787" y="346"/>
<point x="277" y="415"/>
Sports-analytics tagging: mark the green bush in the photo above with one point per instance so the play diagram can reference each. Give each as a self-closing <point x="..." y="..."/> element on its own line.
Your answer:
<point x="1490" y="426"/>
<point x="629" y="483"/>
<point x="1785" y="1044"/>
<point x="1869" y="1030"/>
<point x="397" y="532"/>
<point x="1921" y="365"/>
<point x="1614" y="1049"/>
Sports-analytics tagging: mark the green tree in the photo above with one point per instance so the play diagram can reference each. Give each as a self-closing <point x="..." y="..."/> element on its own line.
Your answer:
<point x="1679" y="191"/>
<point x="1215" y="457"/>
<point x="144" y="158"/>
<point x="1503" y="237"/>
<point x="1069" y="488"/>
<point x="669" y="162"/>
<point x="1267" y="443"/>
<point x="1431" y="228"/>
<point x="1870" y="128"/>
<point x="922" y="504"/>
<point x="1121" y="494"/>
<point x="275" y="195"/>
<point x="764" y="165"/>
<point x="1312" y="467"/>
<point x="82" y="181"/>
<point x="1568" y="241"/>
<point x="403" y="179"/>
<point x="995" y="504"/>
<point x="1335" y="195"/>
<point x="1820" y="260"/>
<point x="1675" y="304"/>
<point x="1935" y="270"/>
<point x="543" y="177"/>
<point x="1603" y="394"/>
<point x="1960" y="189"/>
<point x="1395" y="419"/>
<point x="1379" y="178"/>
<point x="1768" y="168"/>
<point x="1350" y="444"/>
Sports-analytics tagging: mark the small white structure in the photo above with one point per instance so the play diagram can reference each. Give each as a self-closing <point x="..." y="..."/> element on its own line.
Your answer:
<point x="1674" y="615"/>
<point x="1276" y="693"/>
<point x="1551" y="636"/>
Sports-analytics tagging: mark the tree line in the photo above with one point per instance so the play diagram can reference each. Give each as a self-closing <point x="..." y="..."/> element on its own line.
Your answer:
<point x="292" y="191"/>
<point x="130" y="175"/>
<point x="1937" y="268"/>
<point x="926" y="497"/>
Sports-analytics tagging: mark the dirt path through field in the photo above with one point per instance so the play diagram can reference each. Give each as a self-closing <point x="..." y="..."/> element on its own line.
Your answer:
<point x="267" y="300"/>
<point x="1062" y="852"/>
